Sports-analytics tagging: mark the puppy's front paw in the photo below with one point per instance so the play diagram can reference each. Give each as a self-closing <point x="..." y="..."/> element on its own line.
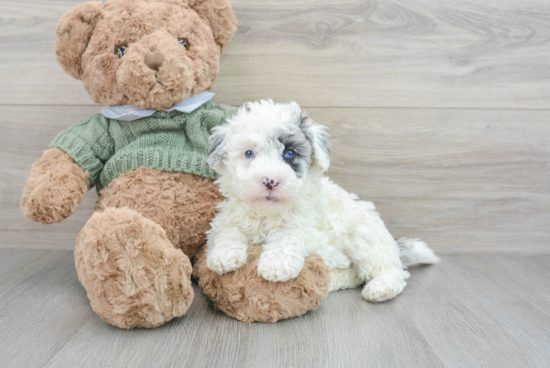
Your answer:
<point x="383" y="288"/>
<point x="280" y="265"/>
<point x="223" y="259"/>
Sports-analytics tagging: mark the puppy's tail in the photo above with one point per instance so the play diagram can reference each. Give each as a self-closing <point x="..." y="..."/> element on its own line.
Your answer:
<point x="415" y="251"/>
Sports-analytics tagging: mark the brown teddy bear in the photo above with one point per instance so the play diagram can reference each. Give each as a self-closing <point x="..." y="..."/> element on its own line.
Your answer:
<point x="151" y="64"/>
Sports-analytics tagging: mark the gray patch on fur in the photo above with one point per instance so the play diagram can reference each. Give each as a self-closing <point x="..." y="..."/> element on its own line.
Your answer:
<point x="320" y="137"/>
<point x="217" y="146"/>
<point x="297" y="142"/>
<point x="415" y="251"/>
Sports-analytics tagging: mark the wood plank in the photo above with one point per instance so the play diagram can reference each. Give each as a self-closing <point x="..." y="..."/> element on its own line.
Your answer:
<point x="464" y="180"/>
<point x="353" y="53"/>
<point x="472" y="315"/>
<point x="17" y="258"/>
<point x="467" y="181"/>
<point x="42" y="306"/>
<point x="522" y="278"/>
<point x="457" y="313"/>
<point x="345" y="331"/>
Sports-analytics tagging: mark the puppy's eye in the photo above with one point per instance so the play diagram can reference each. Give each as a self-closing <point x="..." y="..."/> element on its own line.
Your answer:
<point x="120" y="50"/>
<point x="290" y="154"/>
<point x="184" y="43"/>
<point x="249" y="154"/>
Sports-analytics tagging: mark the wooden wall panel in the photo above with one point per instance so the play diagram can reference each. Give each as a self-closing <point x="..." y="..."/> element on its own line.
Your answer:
<point x="352" y="53"/>
<point x="464" y="180"/>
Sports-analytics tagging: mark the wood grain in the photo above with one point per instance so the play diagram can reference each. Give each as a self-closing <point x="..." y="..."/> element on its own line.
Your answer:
<point x="17" y="258"/>
<point x="352" y="53"/>
<point x="464" y="180"/>
<point x="478" y="316"/>
<point x="467" y="181"/>
<point x="468" y="311"/>
<point x="42" y="306"/>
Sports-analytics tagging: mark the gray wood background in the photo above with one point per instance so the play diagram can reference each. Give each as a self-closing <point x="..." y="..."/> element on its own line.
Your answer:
<point x="439" y="109"/>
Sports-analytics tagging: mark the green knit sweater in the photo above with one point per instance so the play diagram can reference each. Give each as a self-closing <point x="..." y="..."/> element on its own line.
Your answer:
<point x="167" y="141"/>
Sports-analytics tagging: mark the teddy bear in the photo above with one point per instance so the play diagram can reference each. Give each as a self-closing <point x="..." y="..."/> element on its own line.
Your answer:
<point x="151" y="63"/>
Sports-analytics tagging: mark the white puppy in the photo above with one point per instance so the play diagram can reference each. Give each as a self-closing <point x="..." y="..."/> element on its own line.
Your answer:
<point x="271" y="159"/>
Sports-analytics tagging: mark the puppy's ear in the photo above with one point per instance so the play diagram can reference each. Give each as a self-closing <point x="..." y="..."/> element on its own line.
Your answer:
<point x="73" y="33"/>
<point x="220" y="16"/>
<point x="217" y="147"/>
<point x="318" y="136"/>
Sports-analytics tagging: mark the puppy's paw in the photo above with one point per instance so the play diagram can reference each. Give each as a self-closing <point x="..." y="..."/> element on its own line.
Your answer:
<point x="280" y="265"/>
<point x="222" y="259"/>
<point x="382" y="288"/>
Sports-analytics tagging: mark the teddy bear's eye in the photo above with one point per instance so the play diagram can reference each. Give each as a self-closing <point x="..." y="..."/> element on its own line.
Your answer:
<point x="184" y="43"/>
<point x="120" y="51"/>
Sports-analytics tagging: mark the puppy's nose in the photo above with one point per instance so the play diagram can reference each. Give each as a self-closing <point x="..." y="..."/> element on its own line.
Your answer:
<point x="270" y="183"/>
<point x="154" y="61"/>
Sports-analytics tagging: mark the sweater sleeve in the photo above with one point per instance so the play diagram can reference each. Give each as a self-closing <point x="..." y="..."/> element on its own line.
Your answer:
<point x="89" y="144"/>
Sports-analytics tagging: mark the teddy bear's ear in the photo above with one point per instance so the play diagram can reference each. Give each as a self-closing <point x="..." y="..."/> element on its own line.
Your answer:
<point x="220" y="16"/>
<point x="73" y="33"/>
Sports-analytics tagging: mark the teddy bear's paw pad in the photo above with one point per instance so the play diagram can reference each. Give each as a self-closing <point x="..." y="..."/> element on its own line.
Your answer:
<point x="383" y="288"/>
<point x="223" y="259"/>
<point x="133" y="275"/>
<point x="280" y="265"/>
<point x="247" y="296"/>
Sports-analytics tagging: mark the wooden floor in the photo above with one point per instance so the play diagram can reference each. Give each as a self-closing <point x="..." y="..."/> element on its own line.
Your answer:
<point x="439" y="113"/>
<point x="468" y="311"/>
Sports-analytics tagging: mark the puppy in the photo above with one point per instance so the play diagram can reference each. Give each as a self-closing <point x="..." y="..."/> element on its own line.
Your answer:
<point x="271" y="159"/>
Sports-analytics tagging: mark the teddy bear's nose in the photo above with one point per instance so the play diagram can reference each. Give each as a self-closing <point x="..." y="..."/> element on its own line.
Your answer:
<point x="154" y="61"/>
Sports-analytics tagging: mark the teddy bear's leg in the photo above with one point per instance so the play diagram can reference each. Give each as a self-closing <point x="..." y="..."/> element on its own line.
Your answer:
<point x="133" y="255"/>
<point x="182" y="204"/>
<point x="133" y="274"/>
<point x="247" y="296"/>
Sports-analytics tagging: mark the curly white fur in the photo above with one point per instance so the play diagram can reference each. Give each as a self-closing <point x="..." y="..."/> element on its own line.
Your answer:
<point x="288" y="206"/>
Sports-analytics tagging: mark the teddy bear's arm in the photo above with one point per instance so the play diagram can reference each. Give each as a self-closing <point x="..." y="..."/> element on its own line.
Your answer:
<point x="55" y="188"/>
<point x="65" y="172"/>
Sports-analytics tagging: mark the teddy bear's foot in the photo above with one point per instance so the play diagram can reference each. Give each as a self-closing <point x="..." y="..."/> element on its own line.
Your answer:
<point x="133" y="275"/>
<point x="247" y="296"/>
